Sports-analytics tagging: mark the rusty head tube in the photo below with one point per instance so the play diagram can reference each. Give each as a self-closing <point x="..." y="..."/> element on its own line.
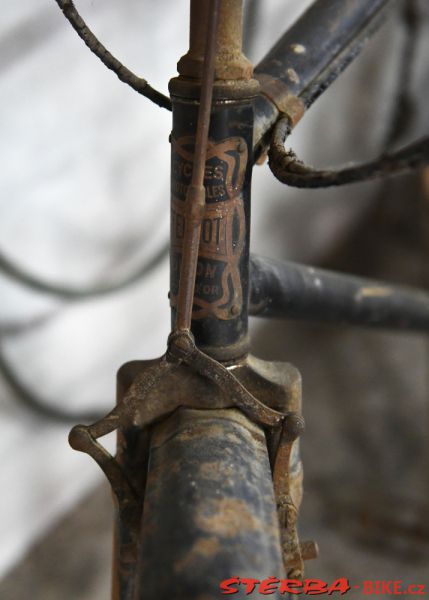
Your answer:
<point x="220" y="307"/>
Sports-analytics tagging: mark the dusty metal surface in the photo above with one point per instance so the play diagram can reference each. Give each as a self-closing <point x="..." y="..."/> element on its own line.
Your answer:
<point x="279" y="94"/>
<point x="231" y="64"/>
<point x="286" y="290"/>
<point x="221" y="291"/>
<point x="220" y="301"/>
<point x="209" y="498"/>
<point x="156" y="389"/>
<point x="284" y="449"/>
<point x="309" y="57"/>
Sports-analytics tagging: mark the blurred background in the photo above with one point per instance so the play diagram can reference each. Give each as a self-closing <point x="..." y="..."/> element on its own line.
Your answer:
<point x="84" y="205"/>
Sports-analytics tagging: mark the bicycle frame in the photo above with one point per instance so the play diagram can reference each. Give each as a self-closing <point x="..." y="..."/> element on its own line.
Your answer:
<point x="245" y="108"/>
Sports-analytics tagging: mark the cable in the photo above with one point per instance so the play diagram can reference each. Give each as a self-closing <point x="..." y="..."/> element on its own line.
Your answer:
<point x="288" y="169"/>
<point x="138" y="84"/>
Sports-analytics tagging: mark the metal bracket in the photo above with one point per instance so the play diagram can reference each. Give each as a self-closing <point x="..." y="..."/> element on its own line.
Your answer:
<point x="135" y="410"/>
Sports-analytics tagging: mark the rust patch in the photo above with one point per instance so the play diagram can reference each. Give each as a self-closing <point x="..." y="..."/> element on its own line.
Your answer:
<point x="227" y="517"/>
<point x="230" y="64"/>
<point x="200" y="430"/>
<point x="212" y="471"/>
<point x="279" y="94"/>
<point x="204" y="548"/>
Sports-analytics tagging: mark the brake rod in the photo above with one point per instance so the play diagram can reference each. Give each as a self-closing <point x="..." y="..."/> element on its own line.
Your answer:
<point x="195" y="197"/>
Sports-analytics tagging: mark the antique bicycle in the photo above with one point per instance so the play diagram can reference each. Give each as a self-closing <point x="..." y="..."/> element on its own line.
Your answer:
<point x="207" y="477"/>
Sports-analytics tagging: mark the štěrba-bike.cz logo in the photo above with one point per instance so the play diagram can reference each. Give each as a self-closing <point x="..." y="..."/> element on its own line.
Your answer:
<point x="318" y="587"/>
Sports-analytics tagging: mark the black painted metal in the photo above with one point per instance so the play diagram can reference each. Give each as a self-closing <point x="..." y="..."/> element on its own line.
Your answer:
<point x="209" y="510"/>
<point x="220" y="313"/>
<point x="315" y="50"/>
<point x="287" y="290"/>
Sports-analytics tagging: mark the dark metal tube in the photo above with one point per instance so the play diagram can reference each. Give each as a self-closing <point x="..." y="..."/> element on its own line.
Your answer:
<point x="312" y="53"/>
<point x="220" y="314"/>
<point x="287" y="290"/>
<point x="219" y="319"/>
<point x="209" y="509"/>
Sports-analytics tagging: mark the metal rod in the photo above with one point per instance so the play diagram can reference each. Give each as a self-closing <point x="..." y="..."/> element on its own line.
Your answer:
<point x="286" y="290"/>
<point x="195" y="200"/>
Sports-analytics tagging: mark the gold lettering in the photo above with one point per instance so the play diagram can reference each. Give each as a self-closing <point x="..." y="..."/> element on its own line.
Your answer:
<point x="211" y="271"/>
<point x="218" y="172"/>
<point x="213" y="172"/>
